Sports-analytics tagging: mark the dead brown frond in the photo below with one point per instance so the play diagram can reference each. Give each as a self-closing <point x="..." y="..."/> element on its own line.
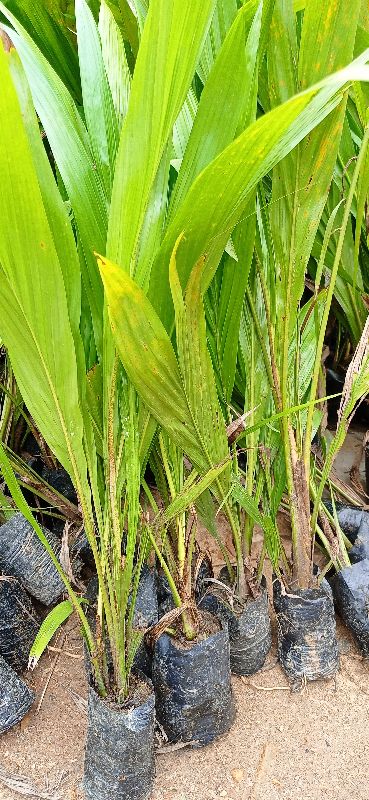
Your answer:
<point x="237" y="426"/>
<point x="21" y="785"/>
<point x="153" y="633"/>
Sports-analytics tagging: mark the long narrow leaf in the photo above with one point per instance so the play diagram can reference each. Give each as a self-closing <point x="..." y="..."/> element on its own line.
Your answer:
<point x="218" y="197"/>
<point x="165" y="55"/>
<point x="98" y="105"/>
<point x="40" y="343"/>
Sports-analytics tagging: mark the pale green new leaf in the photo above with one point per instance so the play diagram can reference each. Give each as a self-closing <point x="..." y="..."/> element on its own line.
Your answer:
<point x="171" y="43"/>
<point x="183" y="126"/>
<point x="148" y="357"/>
<point x="126" y="19"/>
<point x="115" y="61"/>
<point x="141" y="8"/>
<point x="97" y="100"/>
<point x="221" y="103"/>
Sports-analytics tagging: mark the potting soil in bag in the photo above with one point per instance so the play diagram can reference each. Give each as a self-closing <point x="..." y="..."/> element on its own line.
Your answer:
<point x="355" y="524"/>
<point x="307" y="643"/>
<point x="80" y="549"/>
<point x="119" y="758"/>
<point x="19" y="623"/>
<point x="15" y="697"/>
<point x="360" y="548"/>
<point x="194" y="701"/>
<point x="250" y="633"/>
<point x="59" y="479"/>
<point x="146" y="614"/>
<point x="349" y="517"/>
<point x="351" y="596"/>
<point x="23" y="556"/>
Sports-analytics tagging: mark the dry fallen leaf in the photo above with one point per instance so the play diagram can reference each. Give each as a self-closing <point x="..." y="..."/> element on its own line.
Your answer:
<point x="238" y="775"/>
<point x="21" y="785"/>
<point x="24" y="723"/>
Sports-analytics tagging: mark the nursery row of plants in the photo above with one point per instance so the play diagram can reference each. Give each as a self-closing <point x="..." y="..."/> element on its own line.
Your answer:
<point x="184" y="273"/>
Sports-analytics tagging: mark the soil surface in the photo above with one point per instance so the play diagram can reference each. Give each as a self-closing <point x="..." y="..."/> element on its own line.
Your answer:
<point x="284" y="745"/>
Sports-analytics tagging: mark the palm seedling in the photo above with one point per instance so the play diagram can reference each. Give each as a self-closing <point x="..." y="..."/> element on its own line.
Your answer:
<point x="190" y="651"/>
<point x="207" y="227"/>
<point x="55" y="363"/>
<point x="289" y="328"/>
<point x="291" y="334"/>
<point x="95" y="427"/>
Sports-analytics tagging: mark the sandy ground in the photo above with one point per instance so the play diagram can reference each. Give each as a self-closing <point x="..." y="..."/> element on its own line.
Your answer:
<point x="282" y="746"/>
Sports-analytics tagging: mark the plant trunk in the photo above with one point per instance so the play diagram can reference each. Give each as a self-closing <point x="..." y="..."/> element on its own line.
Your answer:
<point x="300" y="520"/>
